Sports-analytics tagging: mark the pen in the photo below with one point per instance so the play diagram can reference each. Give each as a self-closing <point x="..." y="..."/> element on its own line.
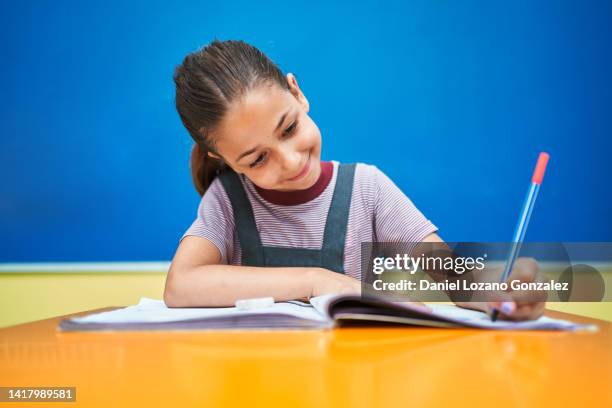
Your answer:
<point x="523" y="221"/>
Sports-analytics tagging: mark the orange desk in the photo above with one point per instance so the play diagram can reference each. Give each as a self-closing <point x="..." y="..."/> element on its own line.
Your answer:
<point x="361" y="367"/>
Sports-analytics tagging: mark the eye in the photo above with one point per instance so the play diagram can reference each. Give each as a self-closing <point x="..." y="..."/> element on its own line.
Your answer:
<point x="260" y="159"/>
<point x="291" y="129"/>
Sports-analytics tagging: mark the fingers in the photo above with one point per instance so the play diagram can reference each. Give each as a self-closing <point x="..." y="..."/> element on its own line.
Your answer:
<point x="525" y="268"/>
<point x="522" y="304"/>
<point x="518" y="311"/>
<point x="528" y="311"/>
<point x="529" y="296"/>
<point x="506" y="307"/>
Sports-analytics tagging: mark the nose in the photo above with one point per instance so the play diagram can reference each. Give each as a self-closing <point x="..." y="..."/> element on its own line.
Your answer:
<point x="289" y="158"/>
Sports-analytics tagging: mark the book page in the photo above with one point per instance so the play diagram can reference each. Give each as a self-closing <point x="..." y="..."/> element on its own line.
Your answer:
<point x="156" y="311"/>
<point x="446" y="313"/>
<point x="478" y="319"/>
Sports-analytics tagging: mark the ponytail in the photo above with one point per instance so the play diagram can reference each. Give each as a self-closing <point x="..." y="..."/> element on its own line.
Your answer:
<point x="204" y="168"/>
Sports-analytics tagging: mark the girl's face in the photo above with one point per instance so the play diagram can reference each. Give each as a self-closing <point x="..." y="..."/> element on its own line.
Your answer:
<point x="268" y="136"/>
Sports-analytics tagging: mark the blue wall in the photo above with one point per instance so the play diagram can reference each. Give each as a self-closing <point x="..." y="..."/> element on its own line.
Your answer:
<point x="453" y="100"/>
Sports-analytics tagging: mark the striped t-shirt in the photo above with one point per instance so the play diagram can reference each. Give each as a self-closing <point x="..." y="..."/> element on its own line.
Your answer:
<point x="379" y="212"/>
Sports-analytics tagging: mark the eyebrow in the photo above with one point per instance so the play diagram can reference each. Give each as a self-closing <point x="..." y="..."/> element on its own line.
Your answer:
<point x="280" y="123"/>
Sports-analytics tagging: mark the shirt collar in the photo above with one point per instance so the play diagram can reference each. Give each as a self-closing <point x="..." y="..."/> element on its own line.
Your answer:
<point x="300" y="196"/>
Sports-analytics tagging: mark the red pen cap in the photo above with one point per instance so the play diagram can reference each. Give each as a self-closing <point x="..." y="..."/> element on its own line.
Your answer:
<point x="538" y="173"/>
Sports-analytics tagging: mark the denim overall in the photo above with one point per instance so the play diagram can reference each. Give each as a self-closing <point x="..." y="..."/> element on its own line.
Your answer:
<point x="331" y="254"/>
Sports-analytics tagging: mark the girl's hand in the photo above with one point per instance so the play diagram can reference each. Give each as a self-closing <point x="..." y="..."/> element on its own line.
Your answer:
<point x="516" y="305"/>
<point x="326" y="281"/>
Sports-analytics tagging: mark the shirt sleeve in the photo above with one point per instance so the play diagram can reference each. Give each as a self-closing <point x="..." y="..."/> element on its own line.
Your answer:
<point x="396" y="218"/>
<point x="215" y="220"/>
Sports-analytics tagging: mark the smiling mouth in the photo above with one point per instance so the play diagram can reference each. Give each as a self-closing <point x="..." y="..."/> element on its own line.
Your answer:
<point x="304" y="170"/>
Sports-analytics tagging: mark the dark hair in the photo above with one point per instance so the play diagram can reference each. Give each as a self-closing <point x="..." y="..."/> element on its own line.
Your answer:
<point x="207" y="82"/>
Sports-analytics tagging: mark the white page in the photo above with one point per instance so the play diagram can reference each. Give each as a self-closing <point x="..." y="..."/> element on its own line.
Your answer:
<point x="482" y="320"/>
<point x="156" y="311"/>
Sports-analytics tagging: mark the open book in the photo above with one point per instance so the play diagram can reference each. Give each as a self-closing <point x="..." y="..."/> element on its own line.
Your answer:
<point x="323" y="312"/>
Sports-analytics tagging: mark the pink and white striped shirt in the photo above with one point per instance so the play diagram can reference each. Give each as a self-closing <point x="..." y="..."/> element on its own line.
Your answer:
<point x="379" y="212"/>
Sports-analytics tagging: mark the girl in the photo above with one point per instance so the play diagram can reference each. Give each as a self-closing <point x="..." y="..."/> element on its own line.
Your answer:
<point x="274" y="220"/>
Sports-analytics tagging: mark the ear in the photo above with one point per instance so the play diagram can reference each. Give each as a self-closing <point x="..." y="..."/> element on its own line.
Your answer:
<point x="297" y="92"/>
<point x="217" y="157"/>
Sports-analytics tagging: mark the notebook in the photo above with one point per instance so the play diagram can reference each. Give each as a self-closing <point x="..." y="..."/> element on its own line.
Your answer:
<point x="323" y="312"/>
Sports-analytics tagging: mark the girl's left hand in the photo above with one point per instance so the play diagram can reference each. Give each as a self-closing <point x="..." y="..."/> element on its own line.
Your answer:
<point x="520" y="305"/>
